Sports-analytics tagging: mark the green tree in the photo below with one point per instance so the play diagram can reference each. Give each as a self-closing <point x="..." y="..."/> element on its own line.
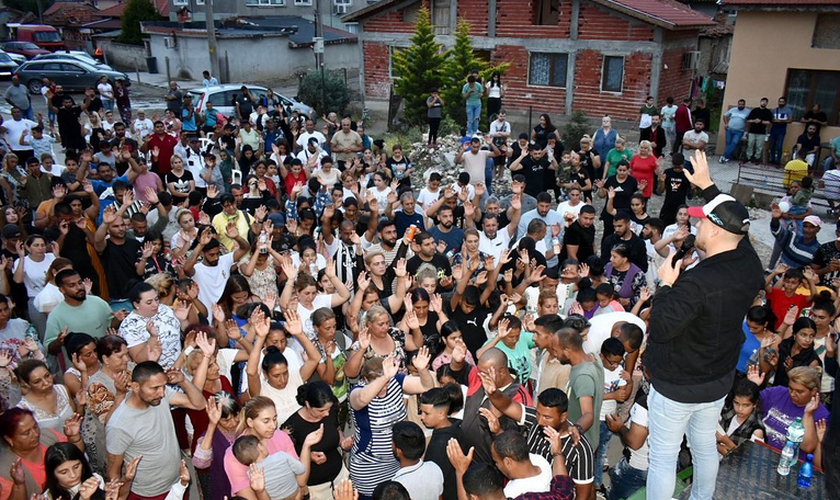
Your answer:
<point x="420" y="68"/>
<point x="135" y="12"/>
<point x="334" y="97"/>
<point x="577" y="127"/>
<point x="461" y="62"/>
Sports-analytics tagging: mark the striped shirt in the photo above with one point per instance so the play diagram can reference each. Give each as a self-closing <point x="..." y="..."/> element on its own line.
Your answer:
<point x="796" y="252"/>
<point x="372" y="459"/>
<point x="580" y="460"/>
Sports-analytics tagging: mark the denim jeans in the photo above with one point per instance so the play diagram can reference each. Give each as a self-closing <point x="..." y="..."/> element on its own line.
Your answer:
<point x="28" y="113"/>
<point x="489" y="167"/>
<point x="625" y="480"/>
<point x="669" y="420"/>
<point x="733" y="138"/>
<point x="601" y="453"/>
<point x="473" y="116"/>
<point x="777" y="140"/>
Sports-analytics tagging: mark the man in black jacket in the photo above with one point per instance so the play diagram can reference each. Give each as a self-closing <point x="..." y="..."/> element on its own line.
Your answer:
<point x="695" y="337"/>
<point x="623" y="234"/>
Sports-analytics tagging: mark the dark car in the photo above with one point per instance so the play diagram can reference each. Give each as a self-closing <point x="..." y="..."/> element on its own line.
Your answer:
<point x="27" y="49"/>
<point x="7" y="65"/>
<point x="73" y="75"/>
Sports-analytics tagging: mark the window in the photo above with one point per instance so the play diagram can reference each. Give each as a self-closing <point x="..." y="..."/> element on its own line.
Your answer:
<point x="441" y="16"/>
<point x="825" y="31"/>
<point x="180" y="2"/>
<point x="806" y="88"/>
<point x="546" y="12"/>
<point x="548" y="69"/>
<point x="72" y="68"/>
<point x="392" y="70"/>
<point x="303" y="2"/>
<point x="612" y="74"/>
<point x="262" y="3"/>
<point x="352" y="28"/>
<point x="199" y="2"/>
<point x="47" y="36"/>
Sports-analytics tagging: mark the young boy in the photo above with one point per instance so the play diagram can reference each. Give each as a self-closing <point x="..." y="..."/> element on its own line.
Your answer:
<point x="782" y="296"/>
<point x="676" y="187"/>
<point x="283" y="474"/>
<point x="436" y="407"/>
<point x="41" y="144"/>
<point x="617" y="389"/>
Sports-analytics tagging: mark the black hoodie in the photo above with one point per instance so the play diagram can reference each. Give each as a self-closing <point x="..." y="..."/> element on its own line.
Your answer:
<point x="436" y="452"/>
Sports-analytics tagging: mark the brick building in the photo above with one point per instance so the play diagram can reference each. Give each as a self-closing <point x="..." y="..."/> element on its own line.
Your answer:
<point x="565" y="55"/>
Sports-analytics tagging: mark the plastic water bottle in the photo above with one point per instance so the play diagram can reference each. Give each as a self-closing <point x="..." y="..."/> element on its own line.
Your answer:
<point x="787" y="460"/>
<point x="796" y="434"/>
<point x="806" y="472"/>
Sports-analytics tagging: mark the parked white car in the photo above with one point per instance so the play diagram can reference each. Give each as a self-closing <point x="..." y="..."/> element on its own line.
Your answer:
<point x="222" y="98"/>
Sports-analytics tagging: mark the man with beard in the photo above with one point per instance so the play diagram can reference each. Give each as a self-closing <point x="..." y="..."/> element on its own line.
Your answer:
<point x="579" y="238"/>
<point x="346" y="250"/>
<point x="212" y="273"/>
<point x="165" y="144"/>
<point x="429" y="254"/>
<point x="491" y="240"/>
<point x="533" y="163"/>
<point x="142" y="426"/>
<point x="388" y="241"/>
<point x="119" y="255"/>
<point x="695" y="336"/>
<point x="623" y="234"/>
<point x="551" y="411"/>
<point x="735" y="121"/>
<point x="445" y="230"/>
<point x="655" y="134"/>
<point x="757" y="122"/>
<point x="79" y="312"/>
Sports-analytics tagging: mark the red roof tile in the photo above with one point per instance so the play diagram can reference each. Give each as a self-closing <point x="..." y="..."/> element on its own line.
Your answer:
<point x="117" y="10"/>
<point x="66" y="13"/>
<point x="667" y="13"/>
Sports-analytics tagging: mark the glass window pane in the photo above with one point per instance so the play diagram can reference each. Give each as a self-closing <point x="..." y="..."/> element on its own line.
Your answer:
<point x="799" y="84"/>
<point x="540" y="68"/>
<point x="558" y="70"/>
<point x="826" y="94"/>
<point x="613" y="74"/>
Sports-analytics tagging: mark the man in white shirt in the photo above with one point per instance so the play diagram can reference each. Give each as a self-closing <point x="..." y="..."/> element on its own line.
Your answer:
<point x="604" y="326"/>
<point x="310" y="132"/>
<point x="15" y="128"/>
<point x="527" y="472"/>
<point x="696" y="139"/>
<point x="668" y="112"/>
<point x="312" y="149"/>
<point x="423" y="480"/>
<point x="500" y="128"/>
<point x="142" y="126"/>
<point x="475" y="158"/>
<point x="212" y="273"/>
<point x="491" y="241"/>
<point x="571" y="206"/>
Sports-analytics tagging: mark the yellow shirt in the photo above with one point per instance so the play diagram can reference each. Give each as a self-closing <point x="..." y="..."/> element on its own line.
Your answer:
<point x="220" y="222"/>
<point x="795" y="170"/>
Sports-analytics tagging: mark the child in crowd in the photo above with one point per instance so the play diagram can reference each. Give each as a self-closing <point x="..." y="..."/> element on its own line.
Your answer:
<point x="451" y="335"/>
<point x="607" y="302"/>
<point x="782" y="296"/>
<point x="284" y="476"/>
<point x="800" y="196"/>
<point x="740" y="420"/>
<point x="617" y="387"/>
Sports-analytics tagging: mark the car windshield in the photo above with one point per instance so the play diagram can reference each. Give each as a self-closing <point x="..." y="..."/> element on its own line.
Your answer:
<point x="27" y="46"/>
<point x="5" y="57"/>
<point x="47" y="36"/>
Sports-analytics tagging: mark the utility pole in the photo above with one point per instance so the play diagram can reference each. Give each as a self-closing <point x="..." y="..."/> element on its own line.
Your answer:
<point x="211" y="40"/>
<point x="319" y="52"/>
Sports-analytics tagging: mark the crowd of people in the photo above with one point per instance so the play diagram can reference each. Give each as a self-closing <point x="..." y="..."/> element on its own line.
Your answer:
<point x="249" y="307"/>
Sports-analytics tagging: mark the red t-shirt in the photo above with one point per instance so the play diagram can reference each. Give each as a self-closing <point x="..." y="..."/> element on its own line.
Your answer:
<point x="780" y="303"/>
<point x="291" y="180"/>
<point x="166" y="144"/>
<point x="644" y="169"/>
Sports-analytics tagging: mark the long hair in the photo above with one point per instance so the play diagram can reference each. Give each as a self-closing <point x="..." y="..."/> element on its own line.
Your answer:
<point x="56" y="455"/>
<point x="236" y="283"/>
<point x="252" y="409"/>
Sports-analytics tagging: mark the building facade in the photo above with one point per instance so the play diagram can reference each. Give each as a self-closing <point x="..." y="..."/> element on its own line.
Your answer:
<point x="786" y="48"/>
<point x="564" y="55"/>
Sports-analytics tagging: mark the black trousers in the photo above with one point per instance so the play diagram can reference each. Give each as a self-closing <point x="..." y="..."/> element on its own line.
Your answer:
<point x="434" y="126"/>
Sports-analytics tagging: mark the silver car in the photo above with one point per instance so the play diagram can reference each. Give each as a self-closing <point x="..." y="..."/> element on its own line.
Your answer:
<point x="73" y="75"/>
<point x="222" y="98"/>
<point x="76" y="57"/>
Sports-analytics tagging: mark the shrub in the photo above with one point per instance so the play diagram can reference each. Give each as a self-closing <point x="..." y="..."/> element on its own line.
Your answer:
<point x="335" y="95"/>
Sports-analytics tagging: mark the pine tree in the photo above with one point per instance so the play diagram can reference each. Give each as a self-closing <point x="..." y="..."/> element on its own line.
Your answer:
<point x="461" y="63"/>
<point x="420" y="68"/>
<point x="136" y="12"/>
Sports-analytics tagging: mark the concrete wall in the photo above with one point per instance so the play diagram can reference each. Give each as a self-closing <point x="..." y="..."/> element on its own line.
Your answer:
<point x="764" y="47"/>
<point x="247" y="58"/>
<point x="223" y="9"/>
<point x="122" y="56"/>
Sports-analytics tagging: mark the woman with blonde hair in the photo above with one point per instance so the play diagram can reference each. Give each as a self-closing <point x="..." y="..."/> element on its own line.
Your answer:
<point x="12" y="178"/>
<point x="378" y="339"/>
<point x="643" y="168"/>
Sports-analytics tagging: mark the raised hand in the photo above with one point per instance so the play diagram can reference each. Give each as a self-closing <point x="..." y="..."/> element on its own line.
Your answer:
<point x="813" y="404"/>
<point x="459" y="352"/>
<point x="131" y="469"/>
<point x="293" y="323"/>
<point x="421" y="360"/>
<point x="88" y="488"/>
<point x="260" y="322"/>
<point x="256" y="478"/>
<point x="457" y="458"/>
<point x="148" y="249"/>
<point x="231" y="231"/>
<point x="345" y="491"/>
<point x="791" y="315"/>
<point x="364" y="339"/>
<point x="754" y="375"/>
<point x="492" y="420"/>
<point x="184" y="473"/>
<point x="207" y="346"/>
<point x="488" y="381"/>
<point x="73" y="426"/>
<point x="314" y="437"/>
<point x="390" y="366"/>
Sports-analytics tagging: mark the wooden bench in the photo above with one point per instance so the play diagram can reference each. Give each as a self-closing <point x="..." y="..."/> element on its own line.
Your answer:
<point x="768" y="182"/>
